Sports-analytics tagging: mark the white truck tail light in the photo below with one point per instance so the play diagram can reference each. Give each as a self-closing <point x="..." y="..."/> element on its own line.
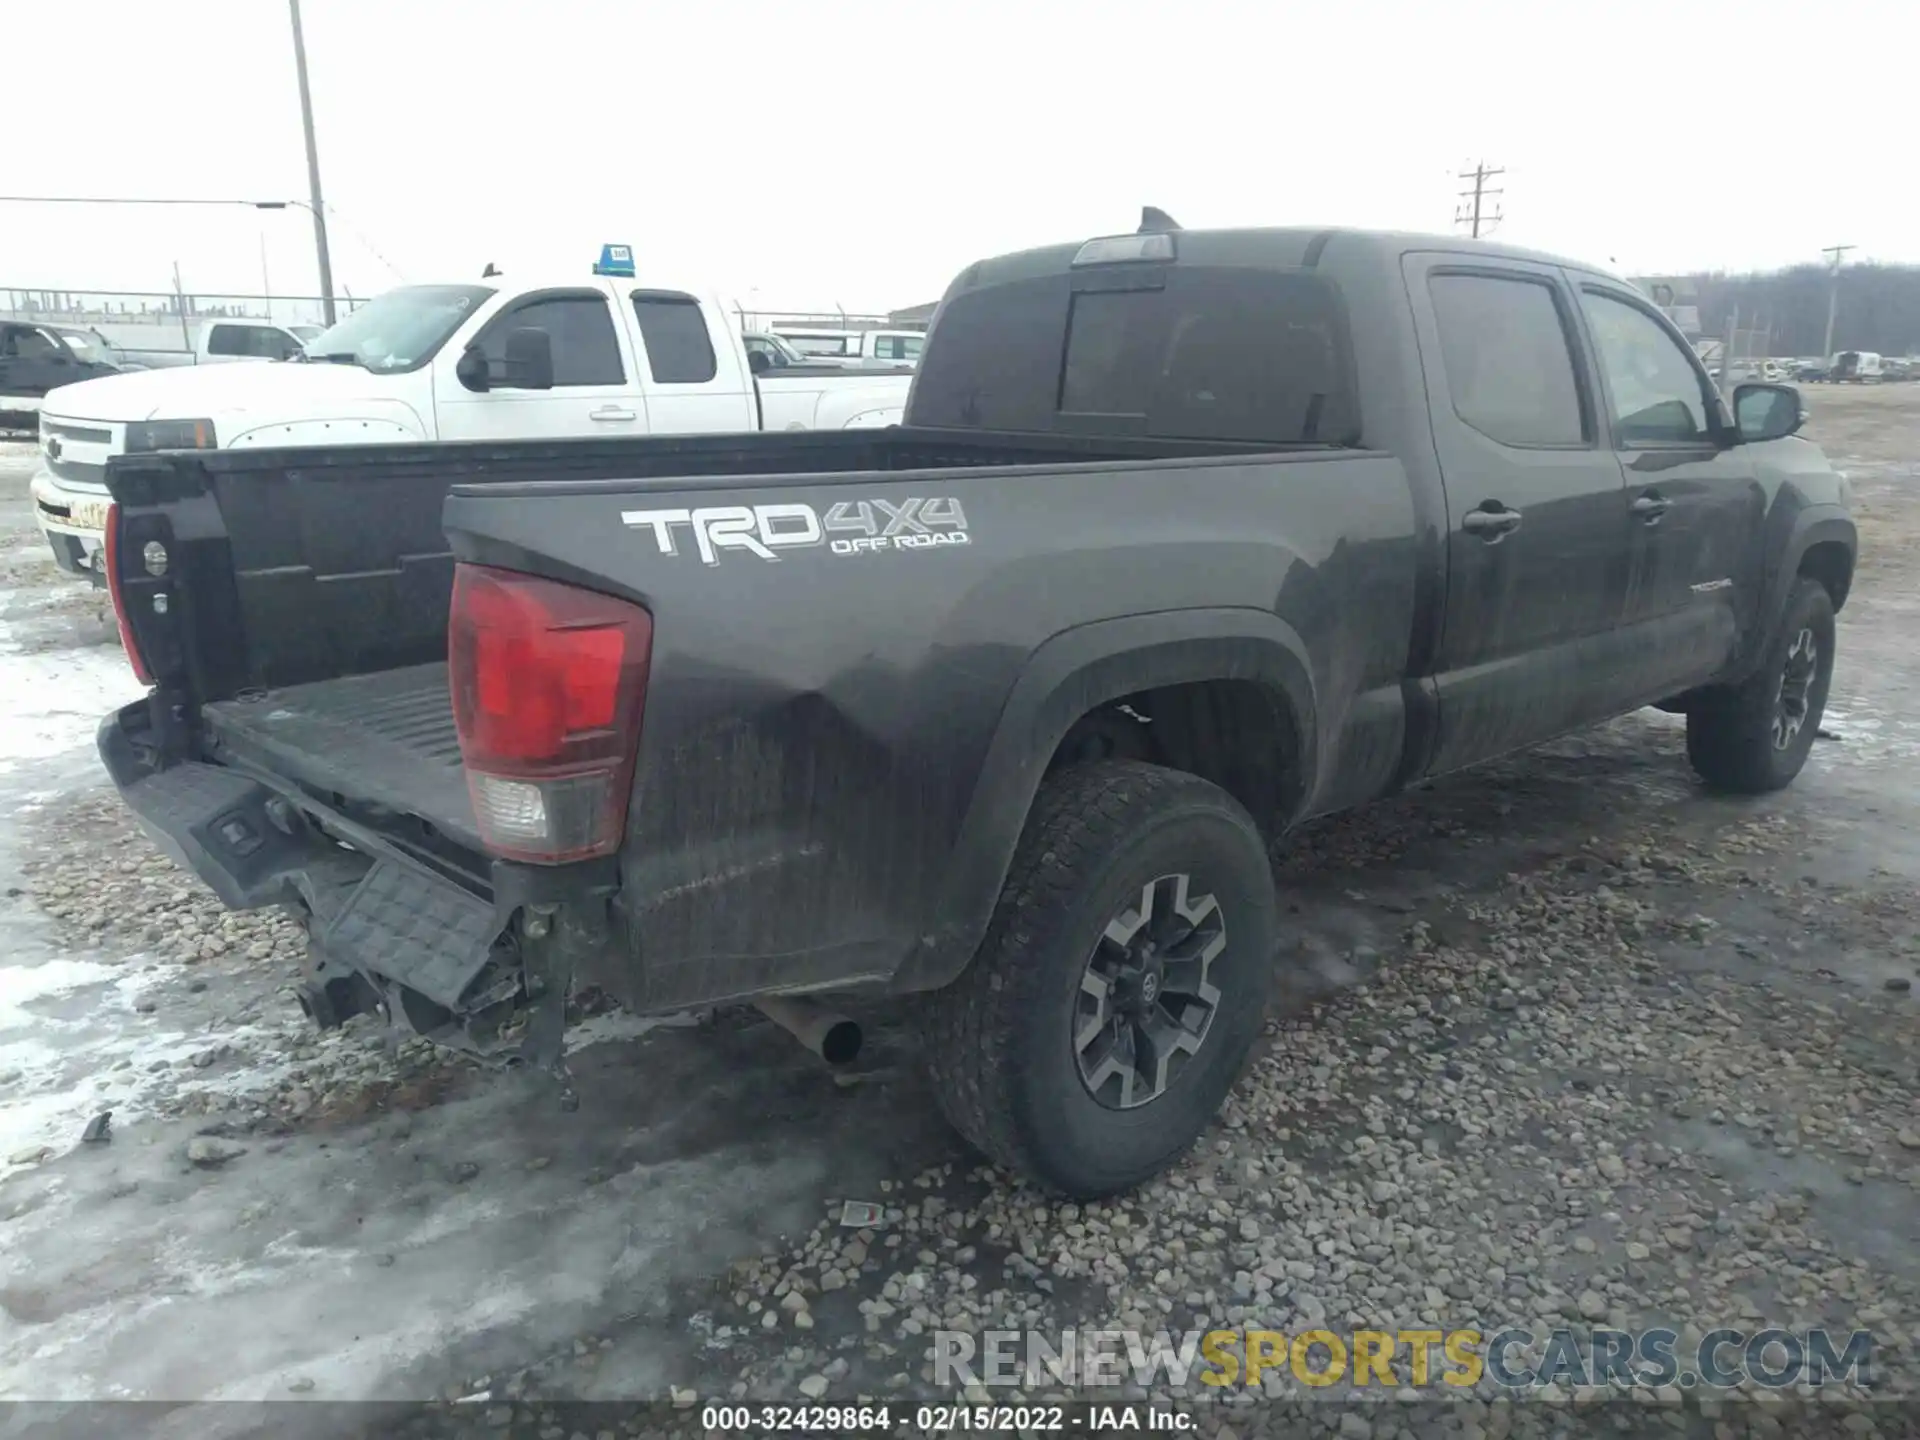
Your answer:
<point x="549" y="682"/>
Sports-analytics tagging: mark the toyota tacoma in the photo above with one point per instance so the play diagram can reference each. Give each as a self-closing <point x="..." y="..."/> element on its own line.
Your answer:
<point x="1187" y="537"/>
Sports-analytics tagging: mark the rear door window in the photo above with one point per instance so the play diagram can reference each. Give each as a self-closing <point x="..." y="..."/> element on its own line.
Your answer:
<point x="674" y="330"/>
<point x="1505" y="348"/>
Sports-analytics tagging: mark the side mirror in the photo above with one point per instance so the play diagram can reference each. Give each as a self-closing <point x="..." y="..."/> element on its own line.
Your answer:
<point x="529" y="356"/>
<point x="1766" y="412"/>
<point x="759" y="362"/>
<point x="471" y="371"/>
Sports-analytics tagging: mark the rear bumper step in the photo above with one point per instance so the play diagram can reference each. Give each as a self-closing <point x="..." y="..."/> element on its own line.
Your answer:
<point x="384" y="935"/>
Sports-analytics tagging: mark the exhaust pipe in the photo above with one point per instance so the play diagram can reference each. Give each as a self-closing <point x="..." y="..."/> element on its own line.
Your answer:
<point x="827" y="1033"/>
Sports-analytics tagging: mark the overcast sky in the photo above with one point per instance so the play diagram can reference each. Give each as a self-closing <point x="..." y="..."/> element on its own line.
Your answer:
<point x="807" y="153"/>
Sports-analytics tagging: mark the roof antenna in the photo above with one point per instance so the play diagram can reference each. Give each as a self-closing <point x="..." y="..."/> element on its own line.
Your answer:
<point x="1155" y="221"/>
<point x="489" y="272"/>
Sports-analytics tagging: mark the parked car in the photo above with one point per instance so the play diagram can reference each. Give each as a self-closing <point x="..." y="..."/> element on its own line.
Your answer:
<point x="885" y="346"/>
<point x="776" y="352"/>
<point x="1187" y="537"/>
<point x="202" y="342"/>
<point x="839" y="347"/>
<point x="538" y="359"/>
<point x="36" y="358"/>
<point x="857" y="347"/>
<point x="1856" y="366"/>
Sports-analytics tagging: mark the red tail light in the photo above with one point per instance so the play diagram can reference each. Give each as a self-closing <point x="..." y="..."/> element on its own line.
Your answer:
<point x="549" y="682"/>
<point x="127" y="642"/>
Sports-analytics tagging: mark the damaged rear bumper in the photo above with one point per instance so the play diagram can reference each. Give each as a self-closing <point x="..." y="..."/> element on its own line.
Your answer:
<point x="481" y="970"/>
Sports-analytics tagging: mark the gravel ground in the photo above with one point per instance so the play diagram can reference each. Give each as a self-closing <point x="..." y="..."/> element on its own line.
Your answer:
<point x="1567" y="1043"/>
<point x="224" y="974"/>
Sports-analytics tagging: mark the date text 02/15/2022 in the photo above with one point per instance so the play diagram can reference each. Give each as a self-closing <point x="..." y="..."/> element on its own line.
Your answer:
<point x="943" y="1419"/>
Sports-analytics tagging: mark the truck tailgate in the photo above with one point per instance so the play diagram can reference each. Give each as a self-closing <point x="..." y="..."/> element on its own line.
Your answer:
<point x="387" y="738"/>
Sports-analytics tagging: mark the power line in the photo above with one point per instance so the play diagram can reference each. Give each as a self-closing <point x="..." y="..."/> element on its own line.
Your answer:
<point x="141" y="200"/>
<point x="1473" y="211"/>
<point x="333" y="211"/>
<point x="366" y="244"/>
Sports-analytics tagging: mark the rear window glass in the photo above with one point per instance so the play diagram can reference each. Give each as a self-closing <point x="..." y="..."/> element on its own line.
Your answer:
<point x="1213" y="354"/>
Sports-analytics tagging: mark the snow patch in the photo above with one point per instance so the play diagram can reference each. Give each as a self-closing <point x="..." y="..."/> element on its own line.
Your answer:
<point x="53" y="701"/>
<point x="619" y="1025"/>
<point x="1868" y="735"/>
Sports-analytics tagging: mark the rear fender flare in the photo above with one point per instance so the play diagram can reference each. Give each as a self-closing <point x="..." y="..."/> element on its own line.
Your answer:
<point x="1075" y="672"/>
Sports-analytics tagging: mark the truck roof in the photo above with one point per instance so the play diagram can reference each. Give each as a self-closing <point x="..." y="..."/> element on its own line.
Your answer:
<point x="1286" y="247"/>
<point x="546" y="277"/>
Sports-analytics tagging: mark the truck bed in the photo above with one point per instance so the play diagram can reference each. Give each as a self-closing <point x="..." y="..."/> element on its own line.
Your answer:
<point x="389" y="735"/>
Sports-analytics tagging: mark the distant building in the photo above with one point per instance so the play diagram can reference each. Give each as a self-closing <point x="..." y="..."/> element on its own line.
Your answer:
<point x="914" y="317"/>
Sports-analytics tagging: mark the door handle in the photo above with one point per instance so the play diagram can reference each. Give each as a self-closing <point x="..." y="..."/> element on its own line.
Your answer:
<point x="1651" y="507"/>
<point x="1490" y="525"/>
<point x="611" y="412"/>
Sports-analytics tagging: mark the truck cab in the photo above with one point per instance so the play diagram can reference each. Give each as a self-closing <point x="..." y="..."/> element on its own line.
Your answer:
<point x="36" y="358"/>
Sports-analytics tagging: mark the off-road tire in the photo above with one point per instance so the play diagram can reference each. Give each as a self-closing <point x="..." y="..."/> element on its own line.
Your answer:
<point x="1730" y="731"/>
<point x="999" y="1040"/>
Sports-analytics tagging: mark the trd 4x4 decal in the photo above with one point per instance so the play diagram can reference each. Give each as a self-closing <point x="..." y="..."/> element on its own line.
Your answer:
<point x="850" y="527"/>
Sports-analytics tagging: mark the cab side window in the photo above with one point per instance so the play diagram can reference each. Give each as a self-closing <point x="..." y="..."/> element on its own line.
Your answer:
<point x="30" y="344"/>
<point x="1658" y="394"/>
<point x="230" y="340"/>
<point x="580" y="327"/>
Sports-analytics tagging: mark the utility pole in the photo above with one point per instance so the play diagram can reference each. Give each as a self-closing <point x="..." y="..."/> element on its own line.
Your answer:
<point x="319" y="206"/>
<point x="1473" y="211"/>
<point x="1833" y="294"/>
<point x="1727" y="347"/>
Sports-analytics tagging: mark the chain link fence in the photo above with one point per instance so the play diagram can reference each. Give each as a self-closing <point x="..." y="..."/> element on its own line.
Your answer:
<point x="163" y="310"/>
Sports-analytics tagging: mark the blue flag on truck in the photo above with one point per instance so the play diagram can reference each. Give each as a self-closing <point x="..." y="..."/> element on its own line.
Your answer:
<point x="615" y="260"/>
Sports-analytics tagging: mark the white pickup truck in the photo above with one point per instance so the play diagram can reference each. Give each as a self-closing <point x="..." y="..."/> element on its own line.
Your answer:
<point x="582" y="355"/>
<point x="857" y="347"/>
<point x="152" y="346"/>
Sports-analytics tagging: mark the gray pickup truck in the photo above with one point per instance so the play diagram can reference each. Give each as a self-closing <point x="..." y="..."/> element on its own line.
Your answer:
<point x="1188" y="536"/>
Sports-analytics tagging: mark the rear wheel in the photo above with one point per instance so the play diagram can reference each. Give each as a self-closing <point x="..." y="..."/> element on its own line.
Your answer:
<point x="1123" y="979"/>
<point x="1754" y="737"/>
